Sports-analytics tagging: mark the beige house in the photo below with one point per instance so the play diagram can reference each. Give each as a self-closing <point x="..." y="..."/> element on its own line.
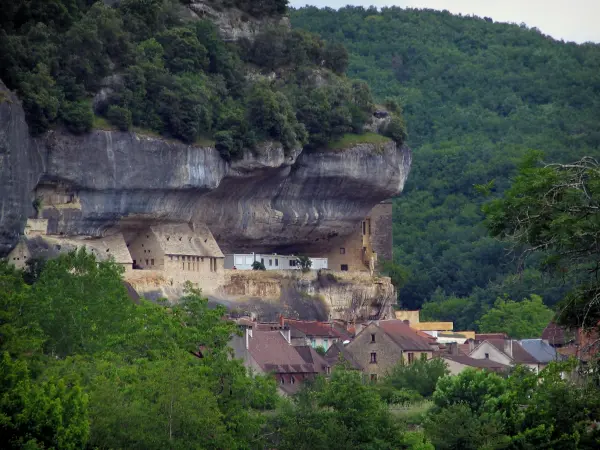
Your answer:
<point x="111" y="247"/>
<point x="383" y="344"/>
<point x="183" y="252"/>
<point x="371" y="241"/>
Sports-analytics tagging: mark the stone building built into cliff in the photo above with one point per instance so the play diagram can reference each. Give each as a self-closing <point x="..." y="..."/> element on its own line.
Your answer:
<point x="182" y="252"/>
<point x="370" y="242"/>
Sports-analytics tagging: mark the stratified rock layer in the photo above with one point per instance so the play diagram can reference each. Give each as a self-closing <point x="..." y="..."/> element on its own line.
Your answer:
<point x="268" y="201"/>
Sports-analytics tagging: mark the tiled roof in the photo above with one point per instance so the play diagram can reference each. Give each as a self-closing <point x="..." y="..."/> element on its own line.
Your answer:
<point x="479" y="363"/>
<point x="181" y="239"/>
<point x="333" y="356"/>
<point x="540" y="350"/>
<point x="310" y="356"/>
<point x="557" y="335"/>
<point x="404" y="336"/>
<point x="103" y="248"/>
<point x="488" y="336"/>
<point x="519" y="354"/>
<point x="315" y="328"/>
<point x="273" y="353"/>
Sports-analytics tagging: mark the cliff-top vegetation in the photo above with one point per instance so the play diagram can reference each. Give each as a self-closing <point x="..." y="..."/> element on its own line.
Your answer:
<point x="160" y="71"/>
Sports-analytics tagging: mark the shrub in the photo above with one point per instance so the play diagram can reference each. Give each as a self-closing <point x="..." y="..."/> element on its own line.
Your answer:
<point x="119" y="117"/>
<point x="304" y="262"/>
<point x="396" y="130"/>
<point x="77" y="116"/>
<point x="258" y="265"/>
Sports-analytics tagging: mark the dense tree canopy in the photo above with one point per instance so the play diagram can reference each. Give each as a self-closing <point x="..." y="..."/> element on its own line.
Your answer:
<point x="156" y="71"/>
<point x="477" y="96"/>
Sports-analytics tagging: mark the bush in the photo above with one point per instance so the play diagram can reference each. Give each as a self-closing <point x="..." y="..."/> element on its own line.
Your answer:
<point x="119" y="117"/>
<point x="77" y="116"/>
<point x="258" y="265"/>
<point x="304" y="262"/>
<point x="396" y="130"/>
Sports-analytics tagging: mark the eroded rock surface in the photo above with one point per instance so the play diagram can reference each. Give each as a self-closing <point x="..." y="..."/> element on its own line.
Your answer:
<point x="268" y="201"/>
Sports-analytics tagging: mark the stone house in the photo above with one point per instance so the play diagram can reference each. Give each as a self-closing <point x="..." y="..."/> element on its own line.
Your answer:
<point x="382" y="344"/>
<point x="183" y="252"/>
<point x="339" y="355"/>
<point x="39" y="245"/>
<point x="370" y="242"/>
<point x="501" y="349"/>
<point x="271" y="352"/>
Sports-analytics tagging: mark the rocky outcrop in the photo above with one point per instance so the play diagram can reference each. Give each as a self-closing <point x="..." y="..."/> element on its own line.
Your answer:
<point x="316" y="295"/>
<point x="232" y="23"/>
<point x="21" y="165"/>
<point x="268" y="201"/>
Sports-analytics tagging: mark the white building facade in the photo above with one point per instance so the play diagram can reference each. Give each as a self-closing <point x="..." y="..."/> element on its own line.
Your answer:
<point x="244" y="261"/>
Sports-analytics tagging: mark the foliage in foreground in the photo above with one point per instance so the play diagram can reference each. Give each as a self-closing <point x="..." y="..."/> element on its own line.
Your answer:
<point x="479" y="409"/>
<point x="553" y="209"/>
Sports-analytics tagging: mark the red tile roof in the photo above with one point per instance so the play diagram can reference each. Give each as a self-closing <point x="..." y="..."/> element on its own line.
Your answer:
<point x="478" y="363"/>
<point x="557" y="335"/>
<point x="333" y="356"/>
<point x="403" y="335"/>
<point x="273" y="353"/>
<point x="310" y="356"/>
<point x="317" y="329"/>
<point x="519" y="354"/>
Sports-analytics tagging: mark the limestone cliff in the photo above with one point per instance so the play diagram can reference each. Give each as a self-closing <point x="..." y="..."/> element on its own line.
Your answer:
<point x="267" y="201"/>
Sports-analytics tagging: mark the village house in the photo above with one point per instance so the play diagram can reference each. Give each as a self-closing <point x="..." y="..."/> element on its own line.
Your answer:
<point x="183" y="252"/>
<point x="37" y="244"/>
<point x="499" y="348"/>
<point x="442" y="331"/>
<point x="456" y="361"/>
<point x="338" y="355"/>
<point x="245" y="261"/>
<point x="583" y="345"/>
<point x="382" y="344"/>
<point x="314" y="333"/>
<point x="369" y="243"/>
<point x="271" y="352"/>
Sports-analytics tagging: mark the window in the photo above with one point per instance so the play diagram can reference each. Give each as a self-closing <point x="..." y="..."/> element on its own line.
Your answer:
<point x="170" y="257"/>
<point x="276" y="262"/>
<point x="281" y="380"/>
<point x="182" y="266"/>
<point x="262" y="261"/>
<point x="364" y="227"/>
<point x="373" y="377"/>
<point x="344" y="267"/>
<point x="313" y="343"/>
<point x="373" y="358"/>
<point x="423" y="356"/>
<point x="342" y="251"/>
<point x="152" y="261"/>
<point x="146" y="262"/>
<point x="270" y="262"/>
<point x="292" y="380"/>
<point x="411" y="358"/>
<point x="487" y="356"/>
<point x="189" y="265"/>
<point x="325" y="344"/>
<point x="372" y="337"/>
<point x="239" y="260"/>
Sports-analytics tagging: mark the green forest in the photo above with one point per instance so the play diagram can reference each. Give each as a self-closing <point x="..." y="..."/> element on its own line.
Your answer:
<point x="83" y="365"/>
<point x="161" y="72"/>
<point x="477" y="98"/>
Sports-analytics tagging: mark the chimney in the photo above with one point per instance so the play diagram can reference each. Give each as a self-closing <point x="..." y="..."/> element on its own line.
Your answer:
<point x="508" y="347"/>
<point x="406" y="322"/>
<point x="248" y="335"/>
<point x="453" y="348"/>
<point x="281" y="320"/>
<point x="287" y="335"/>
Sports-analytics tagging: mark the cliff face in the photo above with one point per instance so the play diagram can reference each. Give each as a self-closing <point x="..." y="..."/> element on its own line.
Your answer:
<point x="21" y="165"/>
<point x="267" y="201"/>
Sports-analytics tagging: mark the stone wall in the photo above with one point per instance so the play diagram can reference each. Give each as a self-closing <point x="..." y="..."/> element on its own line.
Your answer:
<point x="382" y="231"/>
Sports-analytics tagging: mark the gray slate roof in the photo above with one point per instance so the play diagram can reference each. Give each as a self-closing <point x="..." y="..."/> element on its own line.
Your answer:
<point x="540" y="350"/>
<point x="182" y="239"/>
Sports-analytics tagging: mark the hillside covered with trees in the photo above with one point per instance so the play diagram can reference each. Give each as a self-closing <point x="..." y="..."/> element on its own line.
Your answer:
<point x="477" y="97"/>
<point x="161" y="70"/>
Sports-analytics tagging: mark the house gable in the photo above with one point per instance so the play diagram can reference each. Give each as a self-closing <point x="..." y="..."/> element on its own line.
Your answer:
<point x="486" y="350"/>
